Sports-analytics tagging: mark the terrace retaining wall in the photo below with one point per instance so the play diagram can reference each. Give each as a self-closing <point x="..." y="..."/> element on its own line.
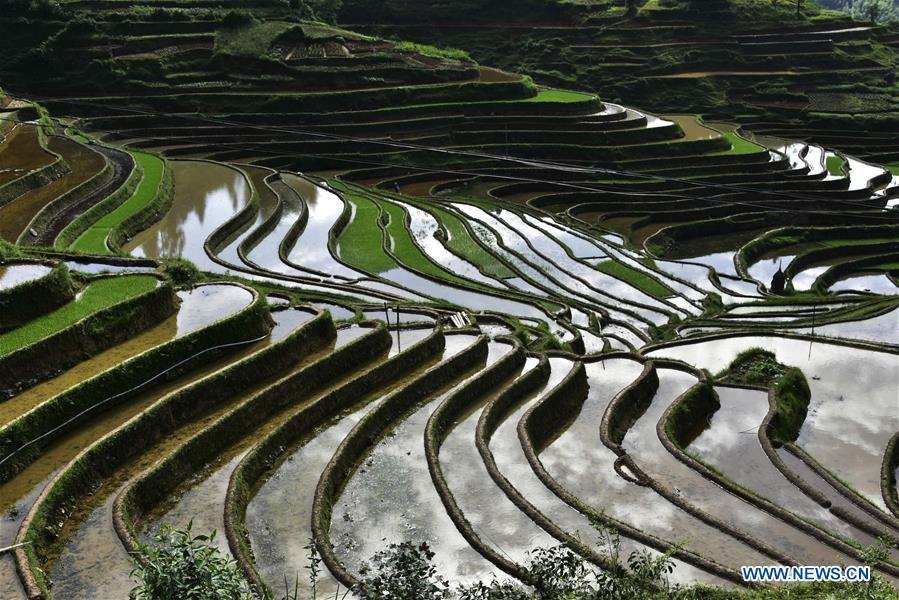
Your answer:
<point x="265" y="454"/>
<point x="441" y="423"/>
<point x="84" y="473"/>
<point x="85" y="338"/>
<point x="362" y="438"/>
<point x="148" y="490"/>
<point x="19" y="438"/>
<point x="84" y="221"/>
<point x="543" y="422"/>
<point x="34" y="298"/>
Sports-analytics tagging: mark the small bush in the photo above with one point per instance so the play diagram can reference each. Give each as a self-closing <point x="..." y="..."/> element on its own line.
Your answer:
<point x="182" y="272"/>
<point x="755" y="366"/>
<point x="178" y="565"/>
<point x="792" y="397"/>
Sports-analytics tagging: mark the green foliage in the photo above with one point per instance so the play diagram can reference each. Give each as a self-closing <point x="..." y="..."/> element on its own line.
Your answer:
<point x="879" y="11"/>
<point x="181" y="271"/>
<point x="249" y="38"/>
<point x="739" y="145"/>
<point x="639" y="279"/>
<point x="9" y="250"/>
<point x="692" y="414"/>
<point x="177" y="565"/>
<point x="93" y="241"/>
<point x="791" y="396"/>
<point x="97" y="296"/>
<point x="834" y="165"/>
<point x="361" y="242"/>
<point x="402" y="571"/>
<point x="434" y="52"/>
<point x="712" y="305"/>
<point x="755" y="366"/>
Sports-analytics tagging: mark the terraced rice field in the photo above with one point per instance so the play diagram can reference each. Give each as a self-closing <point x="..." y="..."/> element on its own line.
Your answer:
<point x="447" y="306"/>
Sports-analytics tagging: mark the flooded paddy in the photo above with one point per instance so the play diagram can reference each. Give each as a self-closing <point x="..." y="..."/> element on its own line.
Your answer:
<point x="390" y="498"/>
<point x="268" y="203"/>
<point x="496" y="519"/>
<point x="883" y="329"/>
<point x="18" y="494"/>
<point x="513" y="464"/>
<point x="643" y="444"/>
<point x="423" y="227"/>
<point x="311" y="250"/>
<point x="192" y="315"/>
<point x="731" y="445"/>
<point x="92" y="561"/>
<point x="264" y="253"/>
<point x="97" y="268"/>
<point x="605" y="491"/>
<point x="281" y="508"/>
<point x="13" y="275"/>
<point x="852" y="413"/>
<point x="877" y="284"/>
<point x="207" y="195"/>
<point x="201" y="498"/>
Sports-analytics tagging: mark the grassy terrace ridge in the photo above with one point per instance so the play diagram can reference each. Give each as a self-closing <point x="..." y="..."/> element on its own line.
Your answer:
<point x="740" y="145"/>
<point x="403" y="246"/>
<point x="361" y="242"/>
<point x="461" y="242"/>
<point x="97" y="296"/>
<point x="640" y="280"/>
<point x="93" y="241"/>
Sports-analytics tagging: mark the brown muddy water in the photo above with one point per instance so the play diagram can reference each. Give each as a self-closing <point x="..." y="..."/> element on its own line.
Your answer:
<point x="605" y="491"/>
<point x="91" y="562"/>
<point x="853" y="410"/>
<point x="84" y="164"/>
<point x="21" y="153"/>
<point x="206" y="196"/>
<point x="13" y="275"/>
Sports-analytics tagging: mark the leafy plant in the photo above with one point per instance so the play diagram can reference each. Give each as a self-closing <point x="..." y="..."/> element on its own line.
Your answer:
<point x="178" y="565"/>
<point x="402" y="571"/>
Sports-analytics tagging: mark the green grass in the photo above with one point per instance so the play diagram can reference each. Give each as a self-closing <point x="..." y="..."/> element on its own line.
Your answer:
<point x="561" y="96"/>
<point x="97" y="296"/>
<point x="893" y="168"/>
<point x="407" y="251"/>
<point x="463" y="244"/>
<point x="739" y="145"/>
<point x="93" y="240"/>
<point x="834" y="165"/>
<point x="360" y="243"/>
<point x="252" y="40"/>
<point x="405" y="248"/>
<point x="433" y="51"/>
<point x="638" y="279"/>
